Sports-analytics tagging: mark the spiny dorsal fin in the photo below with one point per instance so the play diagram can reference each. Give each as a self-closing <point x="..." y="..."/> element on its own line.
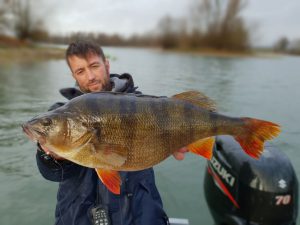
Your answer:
<point x="197" y="98"/>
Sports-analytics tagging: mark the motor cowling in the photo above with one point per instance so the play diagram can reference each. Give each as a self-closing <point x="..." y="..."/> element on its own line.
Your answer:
<point x="241" y="190"/>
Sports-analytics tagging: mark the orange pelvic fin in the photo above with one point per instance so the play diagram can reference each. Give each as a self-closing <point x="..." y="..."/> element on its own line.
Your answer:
<point x="256" y="133"/>
<point x="111" y="179"/>
<point x="203" y="147"/>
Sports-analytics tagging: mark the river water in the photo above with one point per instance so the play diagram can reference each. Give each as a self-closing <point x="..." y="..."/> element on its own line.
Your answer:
<point x="266" y="88"/>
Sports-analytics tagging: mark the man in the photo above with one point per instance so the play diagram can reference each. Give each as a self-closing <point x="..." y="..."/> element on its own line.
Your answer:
<point x="81" y="194"/>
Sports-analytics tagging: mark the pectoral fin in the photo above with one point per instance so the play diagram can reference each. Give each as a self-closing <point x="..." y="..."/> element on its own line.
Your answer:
<point x="82" y="140"/>
<point x="203" y="147"/>
<point x="111" y="179"/>
<point x="115" y="155"/>
<point x="112" y="154"/>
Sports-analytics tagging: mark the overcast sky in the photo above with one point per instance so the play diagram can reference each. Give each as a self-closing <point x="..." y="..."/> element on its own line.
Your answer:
<point x="275" y="18"/>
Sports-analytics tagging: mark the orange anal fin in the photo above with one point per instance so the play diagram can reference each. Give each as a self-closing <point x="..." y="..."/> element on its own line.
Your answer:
<point x="111" y="179"/>
<point x="203" y="147"/>
<point x="256" y="132"/>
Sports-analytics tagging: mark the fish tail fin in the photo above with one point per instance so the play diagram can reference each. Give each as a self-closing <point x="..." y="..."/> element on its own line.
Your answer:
<point x="203" y="147"/>
<point x="256" y="132"/>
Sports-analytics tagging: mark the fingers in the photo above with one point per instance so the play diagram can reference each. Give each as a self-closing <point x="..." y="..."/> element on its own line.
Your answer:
<point x="178" y="156"/>
<point x="180" y="153"/>
<point x="183" y="150"/>
<point x="50" y="153"/>
<point x="46" y="150"/>
<point x="55" y="156"/>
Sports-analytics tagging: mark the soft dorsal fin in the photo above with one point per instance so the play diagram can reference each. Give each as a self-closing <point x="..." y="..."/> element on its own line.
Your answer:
<point x="197" y="98"/>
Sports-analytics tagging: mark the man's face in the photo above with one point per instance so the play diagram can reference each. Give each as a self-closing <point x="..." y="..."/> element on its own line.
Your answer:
<point x="91" y="73"/>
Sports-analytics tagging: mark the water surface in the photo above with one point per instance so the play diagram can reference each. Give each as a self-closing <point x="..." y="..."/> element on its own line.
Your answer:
<point x="267" y="88"/>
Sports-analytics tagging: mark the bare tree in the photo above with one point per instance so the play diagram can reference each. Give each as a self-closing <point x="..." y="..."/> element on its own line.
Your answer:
<point x="294" y="47"/>
<point x="23" y="22"/>
<point x="167" y="32"/>
<point x="205" y="14"/>
<point x="221" y="24"/>
<point x="2" y="21"/>
<point x="23" y="18"/>
<point x="4" y="13"/>
<point x="281" y="45"/>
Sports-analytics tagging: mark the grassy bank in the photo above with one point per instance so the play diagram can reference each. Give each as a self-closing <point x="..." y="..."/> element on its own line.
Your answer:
<point x="35" y="53"/>
<point x="12" y="49"/>
<point x="29" y="53"/>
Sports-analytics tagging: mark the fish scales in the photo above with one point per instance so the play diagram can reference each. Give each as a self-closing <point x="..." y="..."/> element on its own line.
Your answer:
<point x="147" y="126"/>
<point x="127" y="132"/>
<point x="159" y="124"/>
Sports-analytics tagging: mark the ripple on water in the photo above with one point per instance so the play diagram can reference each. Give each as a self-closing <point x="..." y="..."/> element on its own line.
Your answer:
<point x="17" y="152"/>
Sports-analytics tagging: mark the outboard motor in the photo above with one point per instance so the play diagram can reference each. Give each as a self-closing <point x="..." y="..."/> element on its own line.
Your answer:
<point x="240" y="190"/>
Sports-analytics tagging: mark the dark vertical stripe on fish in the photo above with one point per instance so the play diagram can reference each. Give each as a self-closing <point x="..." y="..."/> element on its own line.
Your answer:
<point x="160" y="111"/>
<point x="187" y="116"/>
<point x="128" y="121"/>
<point x="213" y="120"/>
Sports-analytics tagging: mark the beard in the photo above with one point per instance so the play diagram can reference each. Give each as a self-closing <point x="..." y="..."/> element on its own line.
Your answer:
<point x="97" y="85"/>
<point x="107" y="86"/>
<point x="101" y="86"/>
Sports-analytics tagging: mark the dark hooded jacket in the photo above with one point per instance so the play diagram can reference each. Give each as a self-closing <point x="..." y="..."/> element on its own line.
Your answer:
<point x="80" y="188"/>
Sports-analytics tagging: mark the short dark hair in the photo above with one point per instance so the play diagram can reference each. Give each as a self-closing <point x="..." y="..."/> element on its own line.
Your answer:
<point x="82" y="48"/>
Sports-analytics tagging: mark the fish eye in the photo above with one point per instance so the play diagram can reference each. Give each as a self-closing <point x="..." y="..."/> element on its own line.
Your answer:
<point x="46" y="122"/>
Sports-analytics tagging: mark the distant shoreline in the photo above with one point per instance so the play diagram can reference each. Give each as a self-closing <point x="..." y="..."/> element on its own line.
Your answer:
<point x="37" y="53"/>
<point x="228" y="54"/>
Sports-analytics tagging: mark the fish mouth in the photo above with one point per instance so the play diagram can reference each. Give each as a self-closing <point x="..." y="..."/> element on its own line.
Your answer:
<point x="34" y="134"/>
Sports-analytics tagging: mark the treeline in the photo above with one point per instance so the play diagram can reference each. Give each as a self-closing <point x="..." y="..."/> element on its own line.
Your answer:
<point x="17" y="19"/>
<point x="284" y="45"/>
<point x="101" y="38"/>
<point x="211" y="24"/>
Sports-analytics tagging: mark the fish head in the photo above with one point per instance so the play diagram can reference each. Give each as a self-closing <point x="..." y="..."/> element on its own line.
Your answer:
<point x="60" y="131"/>
<point x="44" y="128"/>
<point x="37" y="129"/>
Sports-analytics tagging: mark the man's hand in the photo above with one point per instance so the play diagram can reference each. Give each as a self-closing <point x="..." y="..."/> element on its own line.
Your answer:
<point x="180" y="153"/>
<point x="51" y="153"/>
